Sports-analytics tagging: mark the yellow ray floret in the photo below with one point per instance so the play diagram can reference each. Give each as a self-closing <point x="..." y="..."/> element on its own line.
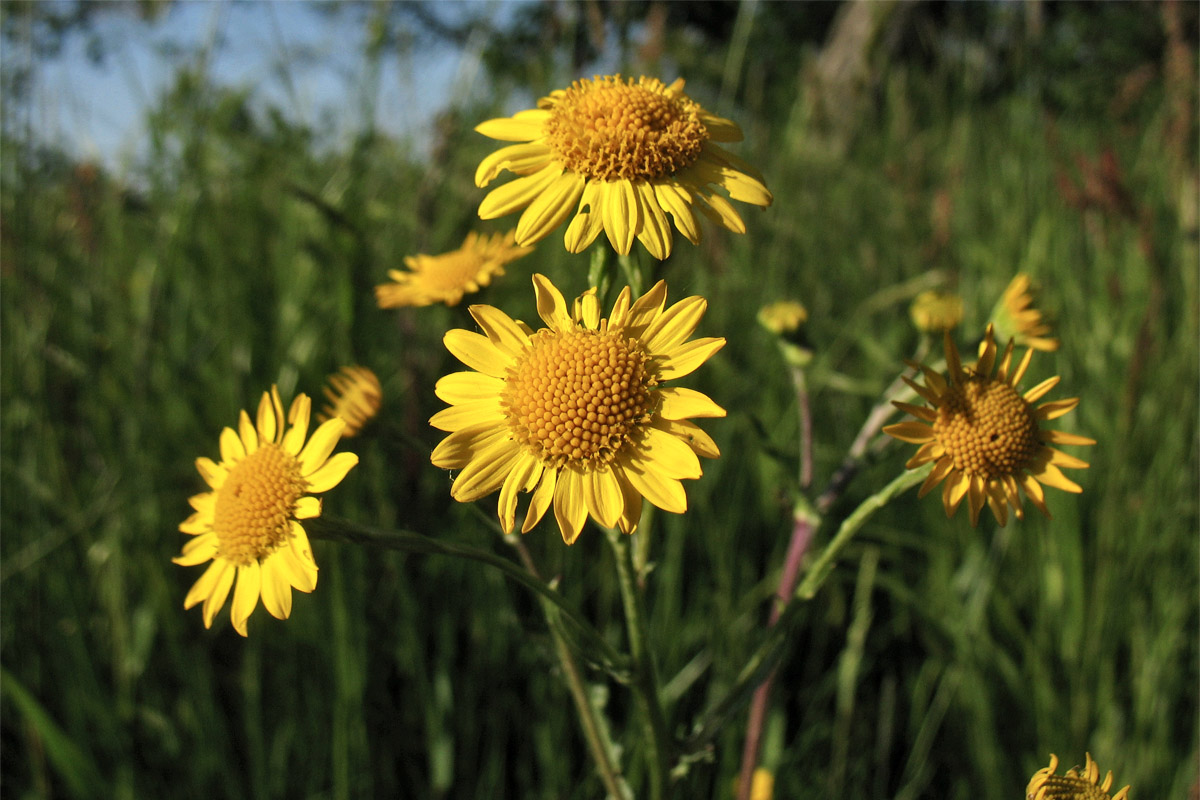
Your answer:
<point x="619" y="156"/>
<point x="986" y="440"/>
<point x="576" y="413"/>
<point x="249" y="525"/>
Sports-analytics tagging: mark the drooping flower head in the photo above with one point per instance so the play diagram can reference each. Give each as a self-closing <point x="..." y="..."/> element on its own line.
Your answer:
<point x="1016" y="318"/>
<point x="355" y="395"/>
<point x="986" y="440"/>
<point x="1074" y="785"/>
<point x="447" y="277"/>
<point x="783" y="317"/>
<point x="618" y="156"/>
<point x="936" y="312"/>
<point x="249" y="525"/>
<point x="576" y="413"/>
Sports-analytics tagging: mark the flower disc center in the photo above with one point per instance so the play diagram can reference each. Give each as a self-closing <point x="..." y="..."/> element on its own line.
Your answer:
<point x="987" y="428"/>
<point x="609" y="130"/>
<point x="255" y="504"/>
<point x="577" y="395"/>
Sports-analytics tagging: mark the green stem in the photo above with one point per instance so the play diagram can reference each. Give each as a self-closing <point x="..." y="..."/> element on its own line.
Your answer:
<point x="594" y="731"/>
<point x="645" y="680"/>
<point x="820" y="569"/>
<point x="764" y="659"/>
<point x="332" y="529"/>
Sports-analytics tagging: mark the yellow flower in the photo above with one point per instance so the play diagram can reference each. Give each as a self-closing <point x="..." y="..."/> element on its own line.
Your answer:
<point x="354" y="394"/>
<point x="783" y="318"/>
<point x="575" y="412"/>
<point x="1015" y="317"/>
<point x="936" y="312"/>
<point x="619" y="156"/>
<point x="447" y="277"/>
<point x="249" y="524"/>
<point x="1075" y="785"/>
<point x="985" y="439"/>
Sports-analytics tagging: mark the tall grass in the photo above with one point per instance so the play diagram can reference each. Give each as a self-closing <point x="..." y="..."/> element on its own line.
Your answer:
<point x="142" y="311"/>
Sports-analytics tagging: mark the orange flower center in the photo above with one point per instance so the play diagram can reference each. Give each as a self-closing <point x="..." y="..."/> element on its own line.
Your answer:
<point x="256" y="503"/>
<point x="610" y="130"/>
<point x="986" y="427"/>
<point x="577" y="395"/>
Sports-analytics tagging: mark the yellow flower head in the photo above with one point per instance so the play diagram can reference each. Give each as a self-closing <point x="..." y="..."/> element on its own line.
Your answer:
<point x="618" y="156"/>
<point x="1016" y="318"/>
<point x="986" y="440"/>
<point x="576" y="412"/>
<point x="1075" y="785"/>
<point x="936" y="312"/>
<point x="783" y="318"/>
<point x="355" y="395"/>
<point x="447" y="277"/>
<point x="249" y="524"/>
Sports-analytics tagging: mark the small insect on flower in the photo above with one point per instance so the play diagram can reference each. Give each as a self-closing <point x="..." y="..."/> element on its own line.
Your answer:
<point x="249" y="525"/>
<point x="985" y="439"/>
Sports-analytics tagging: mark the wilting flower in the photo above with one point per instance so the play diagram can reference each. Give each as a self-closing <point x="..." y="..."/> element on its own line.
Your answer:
<point x="936" y="312"/>
<point x="618" y="156"/>
<point x="447" y="277"/>
<point x="354" y="394"/>
<point x="576" y="413"/>
<point x="249" y="524"/>
<point x="1075" y="785"/>
<point x="985" y="439"/>
<point x="1016" y="318"/>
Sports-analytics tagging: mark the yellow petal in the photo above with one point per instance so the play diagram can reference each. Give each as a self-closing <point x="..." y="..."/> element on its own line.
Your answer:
<point x="686" y="358"/>
<point x="301" y="575"/>
<point x="1062" y="437"/>
<point x="457" y="449"/>
<point x="619" y="208"/>
<point x="920" y="412"/>
<point x="954" y="490"/>
<point x="540" y="501"/>
<point x="910" y="431"/>
<point x="681" y="403"/>
<point x="691" y="435"/>
<point x="477" y="352"/>
<point x="524" y="126"/>
<point x="301" y="411"/>
<point x="266" y="418"/>
<point x="587" y="224"/>
<point x="518" y="478"/>
<point x="485" y="472"/>
<point x="602" y="493"/>
<point x="323" y="440"/>
<point x="231" y="447"/>
<point x="463" y="387"/>
<point x="940" y="470"/>
<point x="666" y="493"/>
<point x="1039" y="391"/>
<point x="721" y="129"/>
<point x="214" y="474"/>
<point x="197" y="550"/>
<point x="975" y="495"/>
<point x="248" y="435"/>
<point x="676" y="201"/>
<point x="551" y="306"/>
<point x="465" y="415"/>
<point x="669" y="455"/>
<point x="276" y="588"/>
<point x="214" y="600"/>
<point x="646" y="308"/>
<point x="722" y="212"/>
<point x="632" y="501"/>
<point x="500" y="329"/>
<point x="517" y="194"/>
<point x="521" y="159"/>
<point x="655" y="231"/>
<point x="204" y="585"/>
<point x="740" y="186"/>
<point x="331" y="474"/>
<point x="550" y="208"/>
<point x="245" y="597"/>
<point x="1060" y="459"/>
<point x="307" y="508"/>
<point x="1056" y="408"/>
<point x="672" y="327"/>
<point x="570" y="508"/>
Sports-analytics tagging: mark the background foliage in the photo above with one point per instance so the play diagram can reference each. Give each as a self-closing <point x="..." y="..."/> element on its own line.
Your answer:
<point x="141" y="311"/>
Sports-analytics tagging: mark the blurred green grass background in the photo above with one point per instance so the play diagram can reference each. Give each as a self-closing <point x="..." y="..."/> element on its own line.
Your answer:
<point x="142" y="311"/>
